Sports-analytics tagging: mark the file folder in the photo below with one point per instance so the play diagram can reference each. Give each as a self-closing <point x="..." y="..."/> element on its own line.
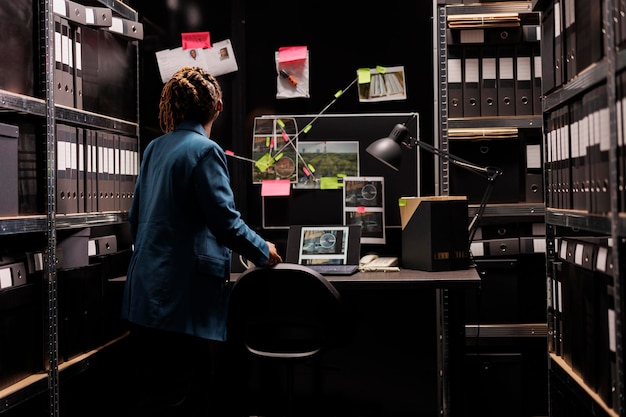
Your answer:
<point x="567" y="174"/>
<point x="91" y="188"/>
<point x="60" y="96"/>
<point x="603" y="140"/>
<point x="569" y="13"/>
<point x="620" y="84"/>
<point x="590" y="47"/>
<point x="537" y="75"/>
<point x="62" y="169"/>
<point x="523" y="81"/>
<point x="67" y="41"/>
<point x="82" y="173"/>
<point x="489" y="89"/>
<point x="127" y="28"/>
<point x="455" y="81"/>
<point x="117" y="179"/>
<point x="534" y="174"/>
<point x="78" y="68"/>
<point x="506" y="81"/>
<point x="559" y="61"/>
<point x="471" y="82"/>
<point x="98" y="16"/>
<point x="9" y="169"/>
<point x="547" y="50"/>
<point x="584" y="130"/>
<point x="604" y="293"/>
<point x="576" y="156"/>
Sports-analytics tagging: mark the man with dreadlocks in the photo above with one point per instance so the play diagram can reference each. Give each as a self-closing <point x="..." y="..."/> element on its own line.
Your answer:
<point x="184" y="225"/>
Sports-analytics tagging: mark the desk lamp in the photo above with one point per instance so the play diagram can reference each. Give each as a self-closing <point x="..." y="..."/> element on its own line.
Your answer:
<point x="388" y="150"/>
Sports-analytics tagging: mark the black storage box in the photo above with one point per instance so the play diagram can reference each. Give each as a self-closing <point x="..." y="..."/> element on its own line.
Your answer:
<point x="434" y="233"/>
<point x="21" y="323"/>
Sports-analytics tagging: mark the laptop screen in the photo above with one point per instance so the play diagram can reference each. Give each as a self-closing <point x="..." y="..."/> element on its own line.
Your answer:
<point x="330" y="245"/>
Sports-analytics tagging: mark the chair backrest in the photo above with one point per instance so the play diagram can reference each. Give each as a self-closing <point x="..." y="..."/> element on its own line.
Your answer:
<point x="285" y="311"/>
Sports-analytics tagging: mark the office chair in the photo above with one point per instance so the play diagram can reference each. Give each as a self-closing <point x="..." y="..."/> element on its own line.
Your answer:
<point x="288" y="314"/>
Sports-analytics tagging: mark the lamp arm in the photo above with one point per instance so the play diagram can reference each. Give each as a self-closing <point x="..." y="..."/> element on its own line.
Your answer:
<point x="491" y="173"/>
<point x="462" y="163"/>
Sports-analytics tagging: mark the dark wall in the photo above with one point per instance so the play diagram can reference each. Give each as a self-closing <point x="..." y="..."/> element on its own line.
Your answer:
<point x="341" y="37"/>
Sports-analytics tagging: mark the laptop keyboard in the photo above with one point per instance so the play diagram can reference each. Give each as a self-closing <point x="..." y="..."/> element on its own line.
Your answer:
<point x="335" y="269"/>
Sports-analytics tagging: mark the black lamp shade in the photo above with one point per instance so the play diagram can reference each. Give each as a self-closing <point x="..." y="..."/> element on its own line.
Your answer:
<point x="388" y="150"/>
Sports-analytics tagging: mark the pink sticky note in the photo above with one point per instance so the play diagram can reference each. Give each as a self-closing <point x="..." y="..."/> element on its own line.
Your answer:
<point x="291" y="53"/>
<point x="227" y="152"/>
<point x="360" y="209"/>
<point x="196" y="40"/>
<point x="275" y="188"/>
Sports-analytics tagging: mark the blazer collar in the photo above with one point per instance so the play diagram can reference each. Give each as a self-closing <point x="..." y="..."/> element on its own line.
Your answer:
<point x="191" y="125"/>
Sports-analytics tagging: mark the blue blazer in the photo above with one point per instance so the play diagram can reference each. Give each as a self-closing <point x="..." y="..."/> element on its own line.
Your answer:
<point x="184" y="224"/>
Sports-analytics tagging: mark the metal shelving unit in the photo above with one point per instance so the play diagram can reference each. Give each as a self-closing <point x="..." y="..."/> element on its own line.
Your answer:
<point x="494" y="213"/>
<point x="611" y="225"/>
<point x="45" y="112"/>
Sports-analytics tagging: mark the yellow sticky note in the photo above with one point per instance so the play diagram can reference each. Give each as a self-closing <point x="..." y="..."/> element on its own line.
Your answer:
<point x="364" y="75"/>
<point x="264" y="162"/>
<point x="380" y="69"/>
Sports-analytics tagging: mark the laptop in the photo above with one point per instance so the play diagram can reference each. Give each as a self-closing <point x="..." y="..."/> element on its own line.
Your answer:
<point x="330" y="250"/>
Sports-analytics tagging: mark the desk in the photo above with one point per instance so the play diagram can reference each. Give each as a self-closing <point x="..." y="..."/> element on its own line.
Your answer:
<point x="386" y="305"/>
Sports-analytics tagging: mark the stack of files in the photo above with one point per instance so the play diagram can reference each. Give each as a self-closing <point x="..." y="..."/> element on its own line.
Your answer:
<point x="127" y="170"/>
<point x="483" y="133"/>
<point x="558" y="173"/>
<point x="483" y="20"/>
<point x="587" y="319"/>
<point x="596" y="139"/>
<point x="66" y="169"/>
<point x="105" y="166"/>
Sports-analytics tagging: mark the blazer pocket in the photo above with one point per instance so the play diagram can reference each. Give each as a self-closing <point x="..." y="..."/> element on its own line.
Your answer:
<point x="209" y="266"/>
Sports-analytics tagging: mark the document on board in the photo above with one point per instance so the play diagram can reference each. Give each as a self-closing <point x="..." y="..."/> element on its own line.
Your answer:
<point x="217" y="60"/>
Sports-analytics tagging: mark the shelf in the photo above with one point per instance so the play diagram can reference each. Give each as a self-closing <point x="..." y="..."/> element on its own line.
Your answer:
<point x="485" y="8"/>
<point x="582" y="220"/>
<point x="23" y="104"/>
<point x="23" y="390"/>
<point x="594" y="74"/>
<point x="117" y="6"/>
<point x="510" y="210"/>
<point x="39" y="224"/>
<point x="561" y="370"/>
<point x="506" y="330"/>
<point x="535" y="121"/>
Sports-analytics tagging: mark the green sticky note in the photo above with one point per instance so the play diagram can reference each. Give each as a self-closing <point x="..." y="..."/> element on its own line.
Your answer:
<point x="380" y="69"/>
<point x="329" y="183"/>
<point x="280" y="123"/>
<point x="401" y="202"/>
<point x="264" y="162"/>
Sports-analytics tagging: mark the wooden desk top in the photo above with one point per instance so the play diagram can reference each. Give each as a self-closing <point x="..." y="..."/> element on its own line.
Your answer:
<point x="405" y="278"/>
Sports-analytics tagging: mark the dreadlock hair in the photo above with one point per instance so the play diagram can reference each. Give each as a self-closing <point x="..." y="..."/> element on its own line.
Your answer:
<point x="191" y="94"/>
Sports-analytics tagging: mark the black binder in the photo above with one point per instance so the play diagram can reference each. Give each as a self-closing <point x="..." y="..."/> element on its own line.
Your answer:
<point x="523" y="81"/>
<point x="547" y="50"/>
<point x="559" y="58"/>
<point x="506" y="81"/>
<point x="569" y="14"/>
<point x="537" y="79"/>
<point x="489" y="79"/>
<point x="471" y="81"/>
<point x="455" y="81"/>
<point x="603" y="174"/>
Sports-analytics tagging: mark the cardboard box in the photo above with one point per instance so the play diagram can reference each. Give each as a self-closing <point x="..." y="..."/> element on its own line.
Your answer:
<point x="434" y="233"/>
